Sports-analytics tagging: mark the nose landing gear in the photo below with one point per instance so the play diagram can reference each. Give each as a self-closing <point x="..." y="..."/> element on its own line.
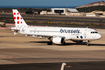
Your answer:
<point x="88" y="42"/>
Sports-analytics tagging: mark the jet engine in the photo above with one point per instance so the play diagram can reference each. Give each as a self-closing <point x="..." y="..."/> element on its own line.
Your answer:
<point x="58" y="40"/>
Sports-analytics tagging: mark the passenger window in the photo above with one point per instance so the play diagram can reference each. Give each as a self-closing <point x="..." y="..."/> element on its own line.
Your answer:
<point x="77" y="37"/>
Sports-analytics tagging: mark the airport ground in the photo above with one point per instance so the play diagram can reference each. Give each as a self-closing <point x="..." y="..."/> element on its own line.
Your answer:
<point x="18" y="52"/>
<point x="56" y="19"/>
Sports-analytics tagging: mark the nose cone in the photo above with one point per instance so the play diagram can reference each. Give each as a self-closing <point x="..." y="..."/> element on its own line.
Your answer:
<point x="98" y="36"/>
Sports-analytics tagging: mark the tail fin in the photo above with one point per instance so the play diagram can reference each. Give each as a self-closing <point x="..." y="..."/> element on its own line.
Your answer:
<point x="19" y="21"/>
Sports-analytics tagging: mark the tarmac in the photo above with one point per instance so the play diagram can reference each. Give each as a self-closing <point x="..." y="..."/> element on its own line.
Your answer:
<point x="21" y="52"/>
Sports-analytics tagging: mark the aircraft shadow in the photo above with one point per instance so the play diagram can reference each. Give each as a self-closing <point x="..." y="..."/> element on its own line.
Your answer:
<point x="39" y="42"/>
<point x="97" y="44"/>
<point x="66" y="44"/>
<point x="2" y="36"/>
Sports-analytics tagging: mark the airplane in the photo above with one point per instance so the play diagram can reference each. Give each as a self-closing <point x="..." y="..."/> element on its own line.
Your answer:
<point x="55" y="35"/>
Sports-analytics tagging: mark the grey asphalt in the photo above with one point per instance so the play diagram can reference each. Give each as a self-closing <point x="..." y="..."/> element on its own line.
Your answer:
<point x="56" y="66"/>
<point x="43" y="59"/>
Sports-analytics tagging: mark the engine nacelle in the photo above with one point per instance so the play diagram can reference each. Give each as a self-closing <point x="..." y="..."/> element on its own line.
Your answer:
<point x="58" y="40"/>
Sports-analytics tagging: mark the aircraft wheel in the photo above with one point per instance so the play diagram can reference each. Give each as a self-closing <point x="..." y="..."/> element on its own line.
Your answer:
<point x="88" y="43"/>
<point x="63" y="43"/>
<point x="49" y="43"/>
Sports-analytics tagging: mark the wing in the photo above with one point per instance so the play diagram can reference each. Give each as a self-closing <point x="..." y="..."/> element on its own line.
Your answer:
<point x="44" y="36"/>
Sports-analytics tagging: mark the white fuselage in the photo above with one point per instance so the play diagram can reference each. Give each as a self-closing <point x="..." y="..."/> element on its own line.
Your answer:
<point x="68" y="33"/>
<point x="56" y="35"/>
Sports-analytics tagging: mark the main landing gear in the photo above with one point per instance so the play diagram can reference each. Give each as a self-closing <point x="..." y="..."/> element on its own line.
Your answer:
<point x="49" y="43"/>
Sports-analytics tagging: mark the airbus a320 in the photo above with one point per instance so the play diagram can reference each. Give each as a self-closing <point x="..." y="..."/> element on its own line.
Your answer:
<point x="56" y="35"/>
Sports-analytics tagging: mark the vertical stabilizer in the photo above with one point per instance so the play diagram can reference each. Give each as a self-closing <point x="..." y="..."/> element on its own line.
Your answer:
<point x="19" y="21"/>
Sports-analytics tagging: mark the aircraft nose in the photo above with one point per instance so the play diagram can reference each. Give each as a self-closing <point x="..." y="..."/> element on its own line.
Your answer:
<point x="98" y="36"/>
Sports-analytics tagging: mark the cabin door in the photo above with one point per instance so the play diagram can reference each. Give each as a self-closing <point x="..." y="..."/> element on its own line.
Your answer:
<point x="85" y="34"/>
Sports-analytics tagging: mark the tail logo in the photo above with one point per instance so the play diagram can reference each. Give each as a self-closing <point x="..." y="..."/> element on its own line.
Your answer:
<point x="23" y="30"/>
<point x="19" y="19"/>
<point x="14" y="13"/>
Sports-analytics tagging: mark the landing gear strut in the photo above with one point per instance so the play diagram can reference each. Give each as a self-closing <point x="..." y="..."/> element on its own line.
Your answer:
<point x="50" y="42"/>
<point x="87" y="42"/>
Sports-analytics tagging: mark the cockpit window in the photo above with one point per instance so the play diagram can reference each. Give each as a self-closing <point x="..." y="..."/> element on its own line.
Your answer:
<point x="94" y="32"/>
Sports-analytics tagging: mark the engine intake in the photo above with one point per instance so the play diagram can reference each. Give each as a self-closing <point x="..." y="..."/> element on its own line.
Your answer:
<point x="58" y="40"/>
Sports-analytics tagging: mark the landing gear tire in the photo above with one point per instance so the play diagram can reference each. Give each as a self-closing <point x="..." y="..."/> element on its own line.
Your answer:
<point x="88" y="44"/>
<point x="63" y="43"/>
<point x="49" y="43"/>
